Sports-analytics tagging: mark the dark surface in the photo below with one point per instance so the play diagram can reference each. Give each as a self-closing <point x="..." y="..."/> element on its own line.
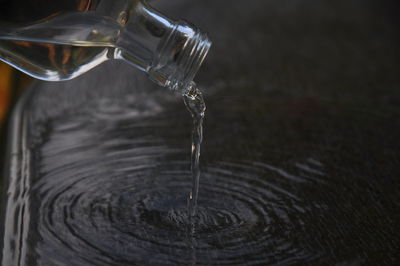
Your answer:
<point x="300" y="159"/>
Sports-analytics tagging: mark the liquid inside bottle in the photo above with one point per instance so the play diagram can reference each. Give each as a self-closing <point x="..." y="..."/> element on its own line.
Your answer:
<point x="54" y="62"/>
<point x="57" y="50"/>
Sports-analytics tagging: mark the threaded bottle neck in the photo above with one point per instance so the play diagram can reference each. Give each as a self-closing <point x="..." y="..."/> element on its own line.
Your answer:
<point x="170" y="52"/>
<point x="179" y="56"/>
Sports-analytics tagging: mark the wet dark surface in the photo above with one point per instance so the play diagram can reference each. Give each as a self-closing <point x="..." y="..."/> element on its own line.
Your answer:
<point x="300" y="161"/>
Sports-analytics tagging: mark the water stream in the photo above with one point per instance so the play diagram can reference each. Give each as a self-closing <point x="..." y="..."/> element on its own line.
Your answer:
<point x="196" y="106"/>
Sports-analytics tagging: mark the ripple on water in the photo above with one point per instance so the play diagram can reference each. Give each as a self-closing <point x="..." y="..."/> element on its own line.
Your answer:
<point x="117" y="195"/>
<point x="129" y="206"/>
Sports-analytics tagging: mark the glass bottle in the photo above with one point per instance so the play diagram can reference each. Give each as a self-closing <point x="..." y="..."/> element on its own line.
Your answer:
<point x="86" y="33"/>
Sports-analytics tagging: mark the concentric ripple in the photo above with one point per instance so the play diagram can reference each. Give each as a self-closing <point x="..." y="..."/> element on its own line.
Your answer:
<point x="124" y="202"/>
<point x="140" y="216"/>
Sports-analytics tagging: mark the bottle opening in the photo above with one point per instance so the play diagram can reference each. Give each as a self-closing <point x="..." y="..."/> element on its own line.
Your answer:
<point x="179" y="57"/>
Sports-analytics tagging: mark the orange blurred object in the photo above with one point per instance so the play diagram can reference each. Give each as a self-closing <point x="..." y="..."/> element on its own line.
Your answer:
<point x="12" y="83"/>
<point x="5" y="89"/>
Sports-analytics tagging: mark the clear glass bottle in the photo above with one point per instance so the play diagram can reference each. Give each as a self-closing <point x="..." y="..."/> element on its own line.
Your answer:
<point x="73" y="40"/>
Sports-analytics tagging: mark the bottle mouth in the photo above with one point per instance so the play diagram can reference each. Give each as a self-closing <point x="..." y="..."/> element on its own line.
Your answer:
<point x="179" y="57"/>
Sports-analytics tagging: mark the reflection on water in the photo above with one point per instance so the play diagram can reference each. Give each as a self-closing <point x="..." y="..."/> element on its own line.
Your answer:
<point x="117" y="195"/>
<point x="109" y="186"/>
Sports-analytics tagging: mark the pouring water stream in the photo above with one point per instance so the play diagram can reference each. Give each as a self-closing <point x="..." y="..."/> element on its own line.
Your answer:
<point x="195" y="104"/>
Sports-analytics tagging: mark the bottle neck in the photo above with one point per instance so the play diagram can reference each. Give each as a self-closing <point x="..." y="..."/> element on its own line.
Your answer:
<point x="170" y="52"/>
